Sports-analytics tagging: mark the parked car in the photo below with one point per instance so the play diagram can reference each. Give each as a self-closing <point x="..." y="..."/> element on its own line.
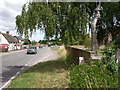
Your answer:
<point x="32" y="49"/>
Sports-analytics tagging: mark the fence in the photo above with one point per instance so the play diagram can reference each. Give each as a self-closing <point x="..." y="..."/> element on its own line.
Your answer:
<point x="75" y="53"/>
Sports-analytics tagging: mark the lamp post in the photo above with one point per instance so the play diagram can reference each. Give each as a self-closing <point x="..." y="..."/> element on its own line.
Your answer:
<point x="93" y="22"/>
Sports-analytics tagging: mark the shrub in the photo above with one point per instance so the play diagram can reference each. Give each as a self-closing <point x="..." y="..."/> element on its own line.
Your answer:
<point x="25" y="47"/>
<point x="87" y="42"/>
<point x="94" y="75"/>
<point x="110" y="59"/>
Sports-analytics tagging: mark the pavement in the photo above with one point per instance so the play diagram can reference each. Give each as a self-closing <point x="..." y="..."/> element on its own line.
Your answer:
<point x="15" y="62"/>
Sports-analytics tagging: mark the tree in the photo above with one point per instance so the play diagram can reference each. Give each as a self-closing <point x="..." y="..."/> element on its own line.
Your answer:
<point x="109" y="22"/>
<point x="33" y="42"/>
<point x="66" y="21"/>
<point x="27" y="42"/>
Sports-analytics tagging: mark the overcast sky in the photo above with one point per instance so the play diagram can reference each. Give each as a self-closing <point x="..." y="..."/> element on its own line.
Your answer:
<point x="9" y="9"/>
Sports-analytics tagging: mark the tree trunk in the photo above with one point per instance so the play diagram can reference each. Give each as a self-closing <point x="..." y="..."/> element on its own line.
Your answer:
<point x="94" y="41"/>
<point x="118" y="55"/>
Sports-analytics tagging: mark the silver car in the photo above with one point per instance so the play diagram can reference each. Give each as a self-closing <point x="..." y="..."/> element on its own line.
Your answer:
<point x="32" y="49"/>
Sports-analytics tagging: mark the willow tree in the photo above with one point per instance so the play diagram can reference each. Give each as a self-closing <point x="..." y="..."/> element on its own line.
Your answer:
<point x="66" y="21"/>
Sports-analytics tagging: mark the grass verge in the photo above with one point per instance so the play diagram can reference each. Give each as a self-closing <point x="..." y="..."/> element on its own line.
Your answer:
<point x="50" y="74"/>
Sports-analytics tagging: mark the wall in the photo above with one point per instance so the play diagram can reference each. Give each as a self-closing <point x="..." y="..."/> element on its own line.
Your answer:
<point x="3" y="40"/>
<point x="75" y="53"/>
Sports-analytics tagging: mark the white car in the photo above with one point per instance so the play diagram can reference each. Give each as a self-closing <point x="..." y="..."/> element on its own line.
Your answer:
<point x="32" y="49"/>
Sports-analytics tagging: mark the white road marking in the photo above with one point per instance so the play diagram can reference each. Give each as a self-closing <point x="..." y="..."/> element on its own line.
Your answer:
<point x="17" y="73"/>
<point x="11" y="78"/>
<point x="22" y="68"/>
<point x="26" y="64"/>
<point x="7" y="83"/>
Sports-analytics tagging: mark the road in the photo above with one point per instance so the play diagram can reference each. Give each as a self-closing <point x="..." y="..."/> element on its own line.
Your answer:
<point x="13" y="63"/>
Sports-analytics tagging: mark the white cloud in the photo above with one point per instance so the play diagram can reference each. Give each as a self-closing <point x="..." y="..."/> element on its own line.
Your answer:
<point x="9" y="9"/>
<point x="38" y="35"/>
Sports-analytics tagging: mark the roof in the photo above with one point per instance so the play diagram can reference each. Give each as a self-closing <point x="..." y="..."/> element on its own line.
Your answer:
<point x="19" y="38"/>
<point x="10" y="38"/>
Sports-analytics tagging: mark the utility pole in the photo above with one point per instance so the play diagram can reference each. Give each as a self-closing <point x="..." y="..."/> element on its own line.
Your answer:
<point x="93" y="22"/>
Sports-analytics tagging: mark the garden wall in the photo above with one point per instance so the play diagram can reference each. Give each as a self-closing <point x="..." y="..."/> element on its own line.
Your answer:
<point x="75" y="53"/>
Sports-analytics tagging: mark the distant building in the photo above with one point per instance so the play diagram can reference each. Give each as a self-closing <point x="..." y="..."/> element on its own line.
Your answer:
<point x="20" y="41"/>
<point x="109" y="38"/>
<point x="10" y="41"/>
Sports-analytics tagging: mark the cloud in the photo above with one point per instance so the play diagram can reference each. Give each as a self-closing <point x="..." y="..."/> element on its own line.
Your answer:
<point x="38" y="35"/>
<point x="9" y="9"/>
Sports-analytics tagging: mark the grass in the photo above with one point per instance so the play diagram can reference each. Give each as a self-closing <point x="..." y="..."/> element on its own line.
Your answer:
<point x="50" y="74"/>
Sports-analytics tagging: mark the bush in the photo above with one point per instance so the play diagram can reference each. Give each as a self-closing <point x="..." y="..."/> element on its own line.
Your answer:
<point x="94" y="75"/>
<point x="87" y="42"/>
<point x="25" y="47"/>
<point x="110" y="59"/>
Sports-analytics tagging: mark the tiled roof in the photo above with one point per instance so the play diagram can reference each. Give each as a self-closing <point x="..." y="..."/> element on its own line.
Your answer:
<point x="19" y="38"/>
<point x="10" y="38"/>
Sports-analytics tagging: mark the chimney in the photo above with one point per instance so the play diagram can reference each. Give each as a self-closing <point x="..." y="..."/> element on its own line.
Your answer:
<point x="7" y="32"/>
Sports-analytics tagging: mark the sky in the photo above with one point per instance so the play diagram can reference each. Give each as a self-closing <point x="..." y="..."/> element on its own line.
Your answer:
<point x="9" y="9"/>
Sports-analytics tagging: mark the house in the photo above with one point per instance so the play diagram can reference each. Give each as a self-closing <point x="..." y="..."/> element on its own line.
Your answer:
<point x="20" y="41"/>
<point x="8" y="40"/>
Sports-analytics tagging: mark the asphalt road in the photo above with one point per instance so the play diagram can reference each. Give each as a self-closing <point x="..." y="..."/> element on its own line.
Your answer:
<point x="13" y="63"/>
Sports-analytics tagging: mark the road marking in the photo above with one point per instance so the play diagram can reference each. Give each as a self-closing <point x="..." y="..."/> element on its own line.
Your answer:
<point x="44" y="58"/>
<point x="25" y="64"/>
<point x="22" y="68"/>
<point x="17" y="73"/>
<point x="7" y="83"/>
<point x="11" y="78"/>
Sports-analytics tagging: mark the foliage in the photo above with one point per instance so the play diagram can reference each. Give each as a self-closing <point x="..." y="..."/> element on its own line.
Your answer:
<point x="33" y="42"/>
<point x="110" y="59"/>
<point x="27" y="42"/>
<point x="87" y="41"/>
<point x="117" y="42"/>
<point x="43" y="41"/>
<point x="109" y="21"/>
<point x="25" y="47"/>
<point x="92" y="75"/>
<point x="66" y="21"/>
